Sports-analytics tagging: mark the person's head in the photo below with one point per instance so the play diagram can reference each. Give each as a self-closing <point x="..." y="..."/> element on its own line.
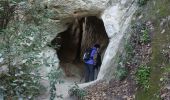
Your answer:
<point x="97" y="46"/>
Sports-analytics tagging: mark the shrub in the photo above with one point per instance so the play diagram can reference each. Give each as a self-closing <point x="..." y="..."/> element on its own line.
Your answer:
<point x="144" y="36"/>
<point x="77" y="92"/>
<point x="141" y="32"/>
<point x="129" y="47"/>
<point x="121" y="72"/>
<point x="142" y="2"/>
<point x="142" y="76"/>
<point x="21" y="45"/>
<point x="53" y="77"/>
<point x="22" y="84"/>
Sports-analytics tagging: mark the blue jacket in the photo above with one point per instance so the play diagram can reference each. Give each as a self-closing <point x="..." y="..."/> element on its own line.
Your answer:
<point x="91" y="61"/>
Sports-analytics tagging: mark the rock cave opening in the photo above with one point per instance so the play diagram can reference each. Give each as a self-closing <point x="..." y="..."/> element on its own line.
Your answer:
<point x="71" y="44"/>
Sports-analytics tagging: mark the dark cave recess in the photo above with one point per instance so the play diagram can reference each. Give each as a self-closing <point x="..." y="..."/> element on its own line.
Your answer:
<point x="81" y="34"/>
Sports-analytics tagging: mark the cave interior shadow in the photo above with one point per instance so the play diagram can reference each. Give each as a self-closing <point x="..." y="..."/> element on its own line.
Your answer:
<point x="71" y="44"/>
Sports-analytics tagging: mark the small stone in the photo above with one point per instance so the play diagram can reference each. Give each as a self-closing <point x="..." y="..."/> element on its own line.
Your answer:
<point x="168" y="18"/>
<point x="125" y="97"/>
<point x="168" y="87"/>
<point x="161" y="79"/>
<point x="93" y="98"/>
<point x="140" y="16"/>
<point x="104" y="94"/>
<point x="158" y="11"/>
<point x="149" y="45"/>
<point x="1" y="60"/>
<point x="163" y="31"/>
<point x="4" y="69"/>
<point x="152" y="28"/>
<point x="163" y="95"/>
<point x="162" y="22"/>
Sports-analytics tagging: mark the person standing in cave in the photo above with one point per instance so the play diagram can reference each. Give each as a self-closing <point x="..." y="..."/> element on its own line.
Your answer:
<point x="91" y="62"/>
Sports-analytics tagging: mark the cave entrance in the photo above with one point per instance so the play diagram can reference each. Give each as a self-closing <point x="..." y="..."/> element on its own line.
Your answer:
<point x="81" y="34"/>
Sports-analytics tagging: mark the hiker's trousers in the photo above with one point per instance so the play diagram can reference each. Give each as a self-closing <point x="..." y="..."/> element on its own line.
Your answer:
<point x="89" y="72"/>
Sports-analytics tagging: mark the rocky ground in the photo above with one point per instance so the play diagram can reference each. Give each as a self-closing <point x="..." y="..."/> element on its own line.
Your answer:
<point x="165" y="90"/>
<point x="165" y="80"/>
<point x="115" y="90"/>
<point x="166" y="94"/>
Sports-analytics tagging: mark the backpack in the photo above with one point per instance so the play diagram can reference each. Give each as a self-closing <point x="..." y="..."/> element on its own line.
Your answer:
<point x="87" y="54"/>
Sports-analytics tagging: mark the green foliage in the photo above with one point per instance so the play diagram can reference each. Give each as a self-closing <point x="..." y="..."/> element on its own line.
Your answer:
<point x="121" y="72"/>
<point x="145" y="36"/>
<point x="22" y="58"/>
<point x="23" y="84"/>
<point x="142" y="2"/>
<point x="142" y="76"/>
<point x="129" y="51"/>
<point x="141" y="32"/>
<point x="128" y="48"/>
<point x="124" y="58"/>
<point x="77" y="92"/>
<point x="7" y="8"/>
<point x="21" y="45"/>
<point x="53" y="77"/>
<point x="167" y="70"/>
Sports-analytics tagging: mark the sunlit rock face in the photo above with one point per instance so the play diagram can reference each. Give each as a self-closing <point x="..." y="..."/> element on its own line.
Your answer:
<point x="116" y="19"/>
<point x="73" y="8"/>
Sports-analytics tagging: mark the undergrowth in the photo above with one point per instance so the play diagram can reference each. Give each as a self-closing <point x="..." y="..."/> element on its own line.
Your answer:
<point x="142" y="76"/>
<point x="142" y="2"/>
<point x="77" y="92"/>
